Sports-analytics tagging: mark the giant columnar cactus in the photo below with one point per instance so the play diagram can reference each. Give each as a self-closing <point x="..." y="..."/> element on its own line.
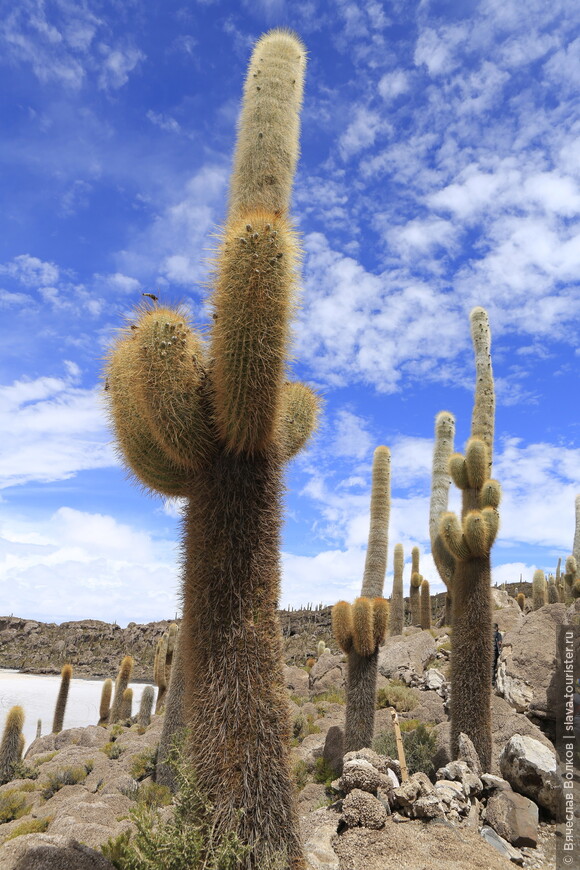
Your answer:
<point x="552" y="591"/>
<point x="10" y="748"/>
<point x="160" y="671"/>
<point x="470" y="542"/>
<point x="425" y="605"/>
<point x="571" y="580"/>
<point x="126" y="705"/>
<point x="105" y="703"/>
<point x="361" y="628"/>
<point x="415" y="588"/>
<point x="559" y="580"/>
<point x="215" y="424"/>
<point x="440" y="483"/>
<point x="60" y="706"/>
<point x="174" y="719"/>
<point x="121" y="683"/>
<point x="538" y="589"/>
<point x="397" y="615"/>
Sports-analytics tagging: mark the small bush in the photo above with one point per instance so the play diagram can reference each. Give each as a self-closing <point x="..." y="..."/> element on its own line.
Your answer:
<point x="25" y="771"/>
<point x="32" y="826"/>
<point x="333" y="696"/>
<point x="303" y="726"/>
<point x="323" y="773"/>
<point x="419" y="745"/>
<point x="151" y="795"/>
<point x="13" y="805"/>
<point x="397" y="695"/>
<point x="300" y="774"/>
<point x="67" y="776"/>
<point x="112" y="749"/>
<point x="143" y="765"/>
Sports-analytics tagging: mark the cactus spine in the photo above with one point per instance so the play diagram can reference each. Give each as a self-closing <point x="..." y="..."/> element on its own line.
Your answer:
<point x="216" y="425"/>
<point x="397" y="617"/>
<point x="65" y="677"/>
<point x="10" y="748"/>
<point x="470" y="542"/>
<point x="146" y="707"/>
<point x="105" y="703"/>
<point x="538" y="589"/>
<point x="361" y="628"/>
<point x="121" y="683"/>
<point x="415" y="588"/>
<point x="440" y="483"/>
<point x="425" y="605"/>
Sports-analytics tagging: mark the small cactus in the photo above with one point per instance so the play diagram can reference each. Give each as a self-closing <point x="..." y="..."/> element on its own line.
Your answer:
<point x="521" y="599"/>
<point x="415" y="588"/>
<point x="65" y="678"/>
<point x="160" y="672"/>
<point x="105" y="703"/>
<point x="553" y="597"/>
<point x="10" y="748"/>
<point x="321" y="648"/>
<point x="538" y="589"/>
<point x="126" y="705"/>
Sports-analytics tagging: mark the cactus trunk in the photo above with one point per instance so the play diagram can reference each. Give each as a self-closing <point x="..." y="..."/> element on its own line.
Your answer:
<point x="60" y="705"/>
<point x="234" y="689"/>
<point x="174" y="719"/>
<point x="397" y="602"/>
<point x="361" y="690"/>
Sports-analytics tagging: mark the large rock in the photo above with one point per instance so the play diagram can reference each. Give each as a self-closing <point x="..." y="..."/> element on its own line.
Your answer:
<point x="360" y="774"/>
<point x="361" y="809"/>
<point x="531" y="769"/>
<point x="504" y="723"/>
<point x="528" y="659"/>
<point x="296" y="681"/>
<point x="401" y="655"/>
<point x="514" y="817"/>
<point x="334" y="749"/>
<point x="501" y="846"/>
<point x="506" y="612"/>
<point x="329" y="672"/>
<point x="49" y="852"/>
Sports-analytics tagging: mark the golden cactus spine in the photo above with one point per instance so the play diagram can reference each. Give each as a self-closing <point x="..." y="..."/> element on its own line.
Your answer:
<point x="121" y="683"/>
<point x="361" y="628"/>
<point x="397" y="618"/>
<point x="216" y="425"/>
<point x="439" y="503"/>
<point x="60" y="706"/>
<point x="425" y="605"/>
<point x="10" y="748"/>
<point x="105" y="703"/>
<point x="470" y="541"/>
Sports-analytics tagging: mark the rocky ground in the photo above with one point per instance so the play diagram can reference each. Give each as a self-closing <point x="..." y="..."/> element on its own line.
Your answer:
<point x="81" y="785"/>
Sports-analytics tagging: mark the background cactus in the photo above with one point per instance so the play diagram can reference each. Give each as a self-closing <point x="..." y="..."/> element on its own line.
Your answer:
<point x="126" y="707"/>
<point x="576" y="544"/>
<point x="425" y="605"/>
<point x="470" y="542"/>
<point x="105" y="703"/>
<point x="553" y="597"/>
<point x="440" y="483"/>
<point x="571" y="580"/>
<point x="146" y="707"/>
<point x="360" y="629"/>
<point x="216" y="424"/>
<point x="10" y="748"/>
<point x="539" y="589"/>
<point x="121" y="684"/>
<point x="160" y="671"/>
<point x="397" y="615"/>
<point x="60" y="706"/>
<point x="521" y="599"/>
<point x="415" y="588"/>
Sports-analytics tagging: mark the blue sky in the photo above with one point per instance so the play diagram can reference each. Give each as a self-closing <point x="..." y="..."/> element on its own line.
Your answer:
<point x="440" y="170"/>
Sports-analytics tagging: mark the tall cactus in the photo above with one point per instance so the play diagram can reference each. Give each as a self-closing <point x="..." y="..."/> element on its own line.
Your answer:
<point x="160" y="672"/>
<point x="439" y="503"/>
<point x="10" y="747"/>
<point x="361" y="628"/>
<point x="415" y="588"/>
<point x="470" y="542"/>
<point x="146" y="707"/>
<point x="553" y="597"/>
<point x="571" y="580"/>
<point x="539" y="589"/>
<point x="173" y="721"/>
<point x="397" y="615"/>
<point x="126" y="707"/>
<point x="60" y="706"/>
<point x="105" y="702"/>
<point x="425" y="605"/>
<point x="121" y="683"/>
<point x="216" y="425"/>
<point x="576" y="544"/>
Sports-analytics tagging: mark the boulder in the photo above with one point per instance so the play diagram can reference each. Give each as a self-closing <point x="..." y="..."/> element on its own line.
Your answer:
<point x="504" y="723"/>
<point x="361" y="809"/>
<point x="50" y="852"/>
<point x="501" y="845"/>
<point x="400" y="656"/>
<point x="311" y="797"/>
<point x="318" y="849"/>
<point x="514" y="817"/>
<point x="507" y="611"/>
<point x="329" y="672"/>
<point x="334" y="749"/>
<point x="358" y="773"/>
<point x="532" y="769"/>
<point x="428" y="807"/>
<point x="468" y="754"/>
<point x="296" y="681"/>
<point x="434" y="679"/>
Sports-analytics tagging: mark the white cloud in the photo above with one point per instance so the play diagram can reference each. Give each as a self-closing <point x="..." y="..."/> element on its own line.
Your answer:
<point x="351" y="436"/>
<point x="116" y="65"/>
<point x="393" y="84"/>
<point x="52" y="429"/>
<point x="30" y="271"/>
<point x="360" y="133"/>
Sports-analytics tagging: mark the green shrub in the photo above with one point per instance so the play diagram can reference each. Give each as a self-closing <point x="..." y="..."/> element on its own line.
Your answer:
<point x="419" y="745"/>
<point x="152" y="795"/>
<point x="112" y="749"/>
<point x="25" y="771"/>
<point x="143" y="765"/>
<point x="333" y="696"/>
<point x="13" y="805"/>
<point x="323" y="773"/>
<point x="32" y="826"/>
<point x="300" y="774"/>
<point x="302" y="727"/>
<point x="66" y="776"/>
<point x="397" y="695"/>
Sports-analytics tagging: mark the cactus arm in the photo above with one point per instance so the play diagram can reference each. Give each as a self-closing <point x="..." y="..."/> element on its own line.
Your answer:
<point x="378" y="541"/>
<point x="440" y="483"/>
<point x="298" y="417"/>
<point x="482" y="420"/>
<point x="269" y="127"/>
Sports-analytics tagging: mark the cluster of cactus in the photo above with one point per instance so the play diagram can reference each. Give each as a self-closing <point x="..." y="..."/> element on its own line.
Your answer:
<point x="359" y="629"/>
<point x="415" y="588"/>
<point x="469" y="542"/>
<point x="216" y="425"/>
<point x="12" y="745"/>
<point x="60" y="706"/>
<point x="162" y="665"/>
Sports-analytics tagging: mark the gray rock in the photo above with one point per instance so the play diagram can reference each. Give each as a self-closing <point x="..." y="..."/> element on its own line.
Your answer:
<point x="360" y="774"/>
<point x="400" y="655"/>
<point x="361" y="809"/>
<point x="514" y="817"/>
<point x="334" y="749"/>
<point x="501" y="845"/>
<point x="531" y="769"/>
<point x="296" y="681"/>
<point x="50" y="852"/>
<point x="318" y="849"/>
<point x="434" y="679"/>
<point x="491" y="782"/>
<point x="329" y="672"/>
<point x="468" y="754"/>
<point x="428" y="807"/>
